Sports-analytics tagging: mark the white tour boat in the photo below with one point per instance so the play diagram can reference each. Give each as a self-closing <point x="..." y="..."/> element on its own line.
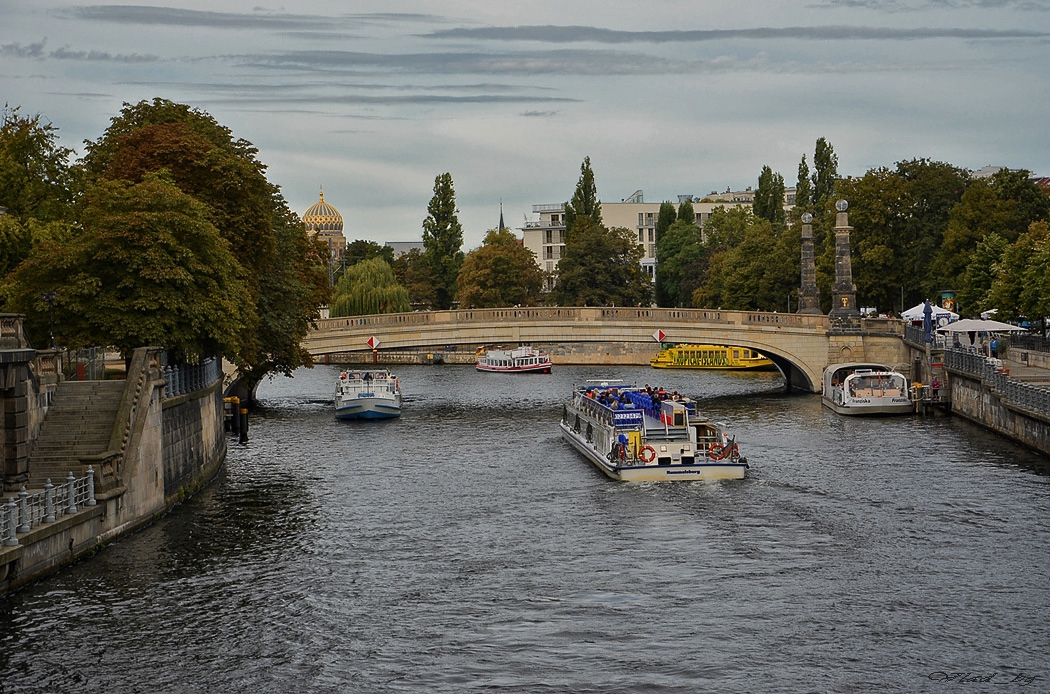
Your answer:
<point x="367" y="395"/>
<point x="522" y="360"/>
<point x="636" y="435"/>
<point x="863" y="389"/>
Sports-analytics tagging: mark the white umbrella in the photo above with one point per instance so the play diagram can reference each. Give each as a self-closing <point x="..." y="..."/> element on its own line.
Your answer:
<point x="979" y="326"/>
<point x="916" y="312"/>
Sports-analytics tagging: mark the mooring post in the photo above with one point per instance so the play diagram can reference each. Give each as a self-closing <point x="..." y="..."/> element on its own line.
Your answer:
<point x="71" y="493"/>
<point x="49" y="502"/>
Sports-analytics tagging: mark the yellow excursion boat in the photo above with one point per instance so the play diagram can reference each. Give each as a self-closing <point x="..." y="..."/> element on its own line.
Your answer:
<point x="710" y="357"/>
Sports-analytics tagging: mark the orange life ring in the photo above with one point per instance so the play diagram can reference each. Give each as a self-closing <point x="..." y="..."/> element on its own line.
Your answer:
<point x="647" y="458"/>
<point x="716" y="451"/>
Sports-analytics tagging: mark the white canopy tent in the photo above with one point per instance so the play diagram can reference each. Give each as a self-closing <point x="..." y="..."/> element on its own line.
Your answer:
<point x="979" y="326"/>
<point x="915" y="313"/>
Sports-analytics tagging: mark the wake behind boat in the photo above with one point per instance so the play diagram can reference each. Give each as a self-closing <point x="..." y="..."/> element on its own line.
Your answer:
<point x="367" y="395"/>
<point x="637" y="435"/>
<point x="523" y="359"/>
<point x="865" y="389"/>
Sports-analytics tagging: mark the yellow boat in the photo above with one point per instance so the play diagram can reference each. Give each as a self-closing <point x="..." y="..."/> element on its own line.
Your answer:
<point x="710" y="357"/>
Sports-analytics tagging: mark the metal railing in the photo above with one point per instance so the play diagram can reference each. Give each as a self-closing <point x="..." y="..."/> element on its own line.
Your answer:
<point x="914" y="335"/>
<point x="19" y="516"/>
<point x="1032" y="343"/>
<point x="1017" y="393"/>
<point x="186" y="378"/>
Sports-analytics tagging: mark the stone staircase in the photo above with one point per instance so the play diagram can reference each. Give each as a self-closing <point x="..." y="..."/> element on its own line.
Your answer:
<point x="78" y="423"/>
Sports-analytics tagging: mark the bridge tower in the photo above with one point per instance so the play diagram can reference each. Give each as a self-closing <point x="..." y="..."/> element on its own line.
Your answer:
<point x="845" y="316"/>
<point x="808" y="293"/>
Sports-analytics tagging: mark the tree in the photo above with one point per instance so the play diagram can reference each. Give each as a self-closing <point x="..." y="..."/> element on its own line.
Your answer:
<point x="585" y="202"/>
<point x="975" y="284"/>
<point x="803" y="188"/>
<point x="826" y="165"/>
<point x="1020" y="287"/>
<point x="680" y="248"/>
<point x="664" y="219"/>
<point x="601" y="267"/>
<point x="147" y="268"/>
<point x="37" y="180"/>
<point x="501" y="272"/>
<point x="205" y="161"/>
<point x="686" y="213"/>
<point x="442" y="241"/>
<point x="360" y="249"/>
<point x="367" y="288"/>
<point x="413" y="273"/>
<point x="769" y="197"/>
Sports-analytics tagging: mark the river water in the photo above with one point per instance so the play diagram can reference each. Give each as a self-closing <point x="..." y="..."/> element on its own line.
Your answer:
<point x="466" y="547"/>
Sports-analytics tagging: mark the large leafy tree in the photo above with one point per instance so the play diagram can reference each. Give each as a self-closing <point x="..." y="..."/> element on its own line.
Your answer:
<point x="585" y="202"/>
<point x="686" y="212"/>
<point x="664" y="219"/>
<point x="205" y="161"/>
<point x="367" y="288"/>
<point x="680" y="249"/>
<point x="803" y="188"/>
<point x="601" y="267"/>
<point x="826" y="172"/>
<point x="769" y="197"/>
<point x="443" y="241"/>
<point x="146" y="268"/>
<point x="1021" y="286"/>
<point x="413" y="273"/>
<point x="501" y="272"/>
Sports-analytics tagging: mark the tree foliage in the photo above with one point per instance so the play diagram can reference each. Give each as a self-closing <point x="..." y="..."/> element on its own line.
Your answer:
<point x="585" y="202"/>
<point x="147" y="268"/>
<point x="677" y="253"/>
<point x="664" y="219"/>
<point x="601" y="267"/>
<point x="443" y="241"/>
<point x="367" y="288"/>
<point x="37" y="179"/>
<point x="686" y="212"/>
<point x="502" y="272"/>
<point x="413" y="273"/>
<point x="769" y="197"/>
<point x="826" y="172"/>
<point x="803" y="189"/>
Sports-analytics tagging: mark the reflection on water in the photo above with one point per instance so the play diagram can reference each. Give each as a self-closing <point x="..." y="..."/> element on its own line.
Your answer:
<point x="465" y="545"/>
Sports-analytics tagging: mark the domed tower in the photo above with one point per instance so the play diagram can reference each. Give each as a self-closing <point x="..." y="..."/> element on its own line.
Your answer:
<point x="324" y="221"/>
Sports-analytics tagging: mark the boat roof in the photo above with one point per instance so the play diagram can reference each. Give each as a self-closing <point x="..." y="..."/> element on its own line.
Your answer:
<point x="854" y="365"/>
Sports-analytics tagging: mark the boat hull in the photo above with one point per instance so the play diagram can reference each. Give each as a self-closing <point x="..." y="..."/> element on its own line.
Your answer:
<point x="869" y="407"/>
<point x="368" y="408"/>
<point x="532" y="369"/>
<point x="710" y="470"/>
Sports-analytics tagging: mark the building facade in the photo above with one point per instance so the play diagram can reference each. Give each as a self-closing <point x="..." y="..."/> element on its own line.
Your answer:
<point x="324" y="221"/>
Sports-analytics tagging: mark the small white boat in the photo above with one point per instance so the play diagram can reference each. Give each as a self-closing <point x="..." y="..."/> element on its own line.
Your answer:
<point x="865" y="389"/>
<point x="367" y="395"/>
<point x="522" y="360"/>
<point x="634" y="435"/>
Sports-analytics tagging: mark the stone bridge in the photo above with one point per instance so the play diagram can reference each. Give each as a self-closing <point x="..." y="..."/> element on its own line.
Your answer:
<point x="801" y="345"/>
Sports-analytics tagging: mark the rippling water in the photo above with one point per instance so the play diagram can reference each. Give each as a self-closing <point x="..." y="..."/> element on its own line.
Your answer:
<point x="465" y="546"/>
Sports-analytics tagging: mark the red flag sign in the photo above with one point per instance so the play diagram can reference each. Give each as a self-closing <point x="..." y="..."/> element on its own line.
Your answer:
<point x="659" y="335"/>
<point x="373" y="342"/>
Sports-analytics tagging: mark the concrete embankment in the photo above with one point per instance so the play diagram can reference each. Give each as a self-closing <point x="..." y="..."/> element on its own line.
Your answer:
<point x="164" y="443"/>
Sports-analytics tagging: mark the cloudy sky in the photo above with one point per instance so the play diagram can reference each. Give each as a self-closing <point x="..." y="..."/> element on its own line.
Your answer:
<point x="372" y="101"/>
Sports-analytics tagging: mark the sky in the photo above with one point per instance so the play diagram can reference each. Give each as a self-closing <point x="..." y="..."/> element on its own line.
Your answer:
<point x="372" y="101"/>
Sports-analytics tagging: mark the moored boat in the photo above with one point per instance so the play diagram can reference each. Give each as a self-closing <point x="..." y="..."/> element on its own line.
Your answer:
<point x="638" y="435"/>
<point x="711" y="357"/>
<point x="364" y="394"/>
<point x="523" y="359"/>
<point x="865" y="389"/>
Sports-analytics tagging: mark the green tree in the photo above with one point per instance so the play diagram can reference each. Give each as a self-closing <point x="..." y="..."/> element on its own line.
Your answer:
<point x="206" y="162"/>
<point x="501" y="272"/>
<point x="1019" y="287"/>
<point x="601" y="267"/>
<point x="664" y="219"/>
<point x="686" y="213"/>
<point x="367" y="288"/>
<point x="826" y="172"/>
<point x="679" y="250"/>
<point x="769" y="197"/>
<point x="803" y="188"/>
<point x="147" y="268"/>
<point x="443" y="241"/>
<point x="360" y="249"/>
<point x="37" y="179"/>
<point x="975" y="284"/>
<point x="585" y="202"/>
<point x="413" y="273"/>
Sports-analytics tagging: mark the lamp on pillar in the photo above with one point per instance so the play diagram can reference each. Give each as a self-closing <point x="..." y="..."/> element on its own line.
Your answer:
<point x="845" y="317"/>
<point x="808" y="293"/>
<point x="49" y="297"/>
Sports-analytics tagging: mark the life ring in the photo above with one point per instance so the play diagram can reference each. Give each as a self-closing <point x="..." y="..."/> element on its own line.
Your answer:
<point x="716" y="452"/>
<point x="647" y="457"/>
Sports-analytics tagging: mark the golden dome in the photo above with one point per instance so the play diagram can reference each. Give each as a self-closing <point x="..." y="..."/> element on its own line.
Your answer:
<point x="323" y="217"/>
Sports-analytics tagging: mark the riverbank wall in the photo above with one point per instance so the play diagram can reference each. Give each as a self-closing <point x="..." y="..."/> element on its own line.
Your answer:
<point x="166" y="443"/>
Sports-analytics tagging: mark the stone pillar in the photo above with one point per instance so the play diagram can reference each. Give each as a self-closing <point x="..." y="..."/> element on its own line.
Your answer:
<point x="808" y="293"/>
<point x="845" y="316"/>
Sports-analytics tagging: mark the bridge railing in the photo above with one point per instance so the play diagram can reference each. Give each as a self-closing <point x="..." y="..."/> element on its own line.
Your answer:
<point x="1018" y="393"/>
<point x="30" y="510"/>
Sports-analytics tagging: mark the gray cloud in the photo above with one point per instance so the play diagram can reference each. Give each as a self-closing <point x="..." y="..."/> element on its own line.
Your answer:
<point x="918" y="5"/>
<point x="172" y="16"/>
<point x="66" y="54"/>
<point x="576" y="34"/>
<point x="18" y="50"/>
<point x="392" y="100"/>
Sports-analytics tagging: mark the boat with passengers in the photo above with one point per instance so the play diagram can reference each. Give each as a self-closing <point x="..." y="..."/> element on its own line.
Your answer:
<point x="521" y="360"/>
<point x="364" y="394"/>
<point x="865" y="389"/>
<point x="644" y="435"/>
<point x="711" y="357"/>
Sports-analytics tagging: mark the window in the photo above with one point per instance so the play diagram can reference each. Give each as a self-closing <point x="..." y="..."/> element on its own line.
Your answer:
<point x="652" y="235"/>
<point x="641" y="234"/>
<point x="549" y="236"/>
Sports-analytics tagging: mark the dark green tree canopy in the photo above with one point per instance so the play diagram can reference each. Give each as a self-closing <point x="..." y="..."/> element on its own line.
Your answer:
<point x="769" y="197"/>
<point x="678" y="253"/>
<point x="826" y="172"/>
<point x="585" y="202"/>
<point x="37" y="180"/>
<point x="664" y="219"/>
<point x="803" y="189"/>
<point x="686" y="212"/>
<point x="601" y="267"/>
<point x="502" y="272"/>
<point x="443" y="241"/>
<point x="369" y="287"/>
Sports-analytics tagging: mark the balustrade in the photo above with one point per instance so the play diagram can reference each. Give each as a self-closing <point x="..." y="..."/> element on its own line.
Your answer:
<point x="31" y="510"/>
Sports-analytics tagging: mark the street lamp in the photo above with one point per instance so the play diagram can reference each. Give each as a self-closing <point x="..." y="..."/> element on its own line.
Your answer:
<point x="49" y="297"/>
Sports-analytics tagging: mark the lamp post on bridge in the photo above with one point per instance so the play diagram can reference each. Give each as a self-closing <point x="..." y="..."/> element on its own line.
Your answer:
<point x="50" y="297"/>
